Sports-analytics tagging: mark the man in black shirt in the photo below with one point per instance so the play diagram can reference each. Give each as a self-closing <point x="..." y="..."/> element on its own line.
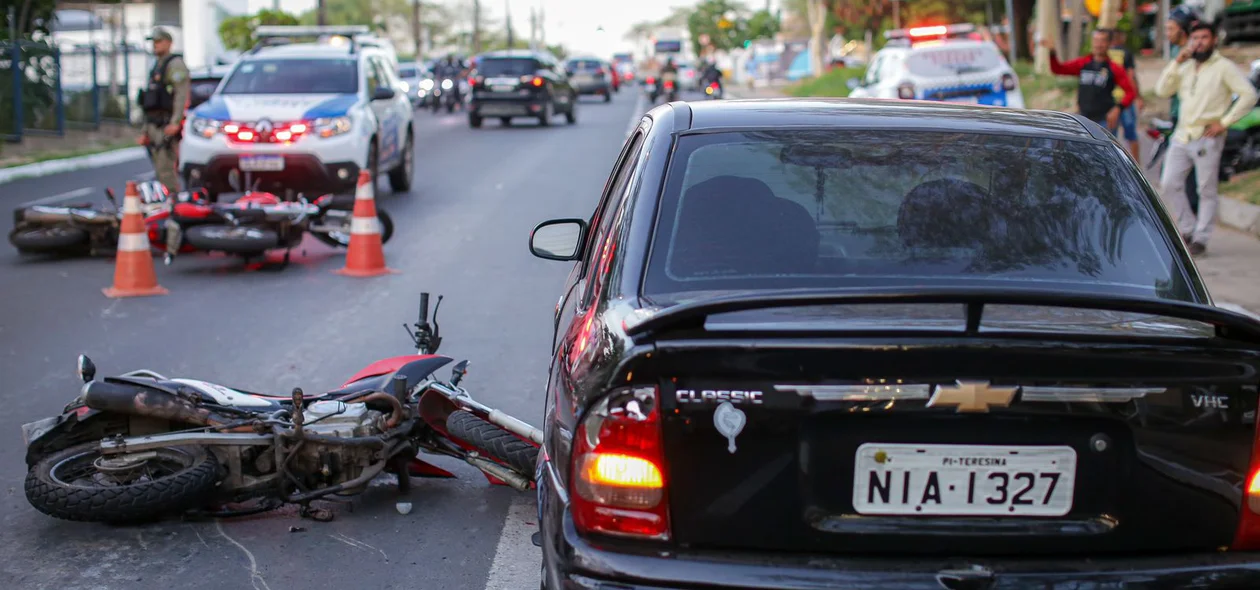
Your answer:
<point x="1099" y="77"/>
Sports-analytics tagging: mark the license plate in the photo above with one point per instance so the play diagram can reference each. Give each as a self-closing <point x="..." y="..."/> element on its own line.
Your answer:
<point x="502" y="88"/>
<point x="502" y="82"/>
<point x="963" y="480"/>
<point x="964" y="99"/>
<point x="583" y="79"/>
<point x="500" y="109"/>
<point x="262" y="163"/>
<point x="33" y="430"/>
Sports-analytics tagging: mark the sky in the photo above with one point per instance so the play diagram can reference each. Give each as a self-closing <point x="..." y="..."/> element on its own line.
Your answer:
<point x="573" y="23"/>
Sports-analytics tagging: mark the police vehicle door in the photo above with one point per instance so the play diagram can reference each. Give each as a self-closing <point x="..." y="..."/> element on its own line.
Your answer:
<point x="387" y="112"/>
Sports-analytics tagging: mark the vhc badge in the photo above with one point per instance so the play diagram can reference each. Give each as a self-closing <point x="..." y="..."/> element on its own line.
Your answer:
<point x="264" y="126"/>
<point x="729" y="421"/>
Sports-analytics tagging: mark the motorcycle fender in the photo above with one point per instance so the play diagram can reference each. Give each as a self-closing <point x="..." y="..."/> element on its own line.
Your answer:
<point x="392" y="364"/>
<point x="41" y="436"/>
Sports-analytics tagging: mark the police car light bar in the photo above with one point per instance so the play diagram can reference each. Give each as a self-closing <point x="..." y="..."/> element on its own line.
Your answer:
<point x="931" y="32"/>
<point x="309" y="31"/>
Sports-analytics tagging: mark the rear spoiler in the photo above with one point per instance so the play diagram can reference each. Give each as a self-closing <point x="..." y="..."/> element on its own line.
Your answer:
<point x="1227" y="324"/>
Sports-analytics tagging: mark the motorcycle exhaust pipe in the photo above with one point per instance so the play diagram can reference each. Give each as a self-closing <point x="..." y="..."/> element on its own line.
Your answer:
<point x="137" y="401"/>
<point x="512" y="478"/>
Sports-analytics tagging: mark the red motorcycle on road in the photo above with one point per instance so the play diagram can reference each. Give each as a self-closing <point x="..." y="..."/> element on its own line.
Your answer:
<point x="191" y="222"/>
<point x="142" y="446"/>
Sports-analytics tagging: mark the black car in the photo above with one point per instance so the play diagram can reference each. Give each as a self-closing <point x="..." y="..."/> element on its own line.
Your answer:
<point x="520" y="83"/>
<point x="847" y="344"/>
<point x="202" y="84"/>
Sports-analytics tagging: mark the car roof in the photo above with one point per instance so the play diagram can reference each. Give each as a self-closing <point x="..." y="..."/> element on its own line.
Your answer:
<point x="211" y="72"/>
<point x="908" y="115"/>
<point x="959" y="43"/>
<point x="307" y="51"/>
<point x="509" y="53"/>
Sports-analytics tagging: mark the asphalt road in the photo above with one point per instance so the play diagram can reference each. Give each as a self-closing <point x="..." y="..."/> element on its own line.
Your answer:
<point x="461" y="232"/>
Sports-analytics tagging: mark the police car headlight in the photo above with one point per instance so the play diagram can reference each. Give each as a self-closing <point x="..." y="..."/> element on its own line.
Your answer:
<point x="447" y="84"/>
<point x="332" y="126"/>
<point x="205" y="127"/>
<point x="426" y="84"/>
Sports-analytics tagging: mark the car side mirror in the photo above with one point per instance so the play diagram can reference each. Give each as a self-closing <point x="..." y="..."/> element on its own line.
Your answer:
<point x="383" y="93"/>
<point x="558" y="239"/>
<point x="852" y="83"/>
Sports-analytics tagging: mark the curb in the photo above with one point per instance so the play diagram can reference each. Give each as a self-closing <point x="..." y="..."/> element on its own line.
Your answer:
<point x="1239" y="215"/>
<point x="39" y="169"/>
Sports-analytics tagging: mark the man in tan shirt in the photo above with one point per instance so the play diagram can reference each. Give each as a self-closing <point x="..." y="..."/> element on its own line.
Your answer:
<point x="1205" y="83"/>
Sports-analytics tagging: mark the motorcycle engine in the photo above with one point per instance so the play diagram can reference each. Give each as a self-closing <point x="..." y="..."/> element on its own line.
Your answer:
<point x="327" y="465"/>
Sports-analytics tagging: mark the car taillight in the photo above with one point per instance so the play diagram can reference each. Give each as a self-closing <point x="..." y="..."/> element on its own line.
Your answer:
<point x="1248" y="536"/>
<point x="475" y="81"/>
<point x="669" y="83"/>
<point x="651" y="80"/>
<point x="905" y="91"/>
<point x="537" y="82"/>
<point x="1008" y="82"/>
<point x="618" y="472"/>
<point x="1153" y="133"/>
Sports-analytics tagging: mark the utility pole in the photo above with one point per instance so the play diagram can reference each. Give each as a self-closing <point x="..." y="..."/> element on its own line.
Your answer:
<point x="321" y="13"/>
<point x="415" y="29"/>
<point x="542" y="27"/>
<point x="507" y="18"/>
<point x="476" y="28"/>
<point x="533" y="29"/>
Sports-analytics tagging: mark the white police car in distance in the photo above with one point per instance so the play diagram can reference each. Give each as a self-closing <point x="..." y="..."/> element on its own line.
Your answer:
<point x="302" y="116"/>
<point x="945" y="63"/>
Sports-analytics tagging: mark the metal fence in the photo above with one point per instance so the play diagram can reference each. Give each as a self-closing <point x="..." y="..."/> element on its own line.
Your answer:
<point x="47" y="91"/>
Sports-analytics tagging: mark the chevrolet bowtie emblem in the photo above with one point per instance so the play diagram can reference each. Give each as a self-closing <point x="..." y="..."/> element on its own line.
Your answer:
<point x="972" y="396"/>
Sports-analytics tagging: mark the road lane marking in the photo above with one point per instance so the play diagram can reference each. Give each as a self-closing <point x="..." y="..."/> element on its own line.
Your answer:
<point x="78" y="192"/>
<point x="636" y="115"/>
<point x="516" y="560"/>
<point x="255" y="578"/>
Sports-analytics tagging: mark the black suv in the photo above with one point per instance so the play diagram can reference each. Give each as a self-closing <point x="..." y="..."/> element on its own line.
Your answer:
<point x="520" y="83"/>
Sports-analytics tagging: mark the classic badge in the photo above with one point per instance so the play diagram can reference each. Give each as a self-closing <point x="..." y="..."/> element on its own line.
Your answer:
<point x="972" y="396"/>
<point x="729" y="421"/>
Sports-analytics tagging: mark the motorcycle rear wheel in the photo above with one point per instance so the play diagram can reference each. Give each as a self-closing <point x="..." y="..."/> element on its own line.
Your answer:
<point x="48" y="238"/>
<point x="245" y="240"/>
<point x="74" y="484"/>
<point x="494" y="441"/>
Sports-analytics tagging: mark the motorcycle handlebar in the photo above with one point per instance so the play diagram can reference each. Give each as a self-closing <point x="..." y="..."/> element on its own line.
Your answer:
<point x="424" y="308"/>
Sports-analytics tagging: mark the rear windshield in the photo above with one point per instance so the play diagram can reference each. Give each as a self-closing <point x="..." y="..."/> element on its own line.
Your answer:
<point x="823" y="209"/>
<point x="406" y="71"/>
<point x="200" y="89"/>
<point x="947" y="60"/>
<point x="585" y="65"/>
<point x="294" y="76"/>
<point x="507" y="66"/>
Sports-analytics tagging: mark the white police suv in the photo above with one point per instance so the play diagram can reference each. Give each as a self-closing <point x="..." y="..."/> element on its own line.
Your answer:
<point x="302" y="116"/>
<point x="949" y="63"/>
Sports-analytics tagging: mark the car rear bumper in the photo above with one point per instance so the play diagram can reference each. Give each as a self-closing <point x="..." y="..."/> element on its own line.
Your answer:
<point x="572" y="562"/>
<point x="302" y="172"/>
<point x="593" y="88"/>
<point x="513" y="107"/>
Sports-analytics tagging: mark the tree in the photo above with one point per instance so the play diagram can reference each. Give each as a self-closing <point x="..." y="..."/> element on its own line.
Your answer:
<point x="817" y="11"/>
<point x="728" y="24"/>
<point x="237" y="33"/>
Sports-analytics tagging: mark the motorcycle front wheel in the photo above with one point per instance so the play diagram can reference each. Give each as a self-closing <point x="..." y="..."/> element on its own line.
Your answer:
<point x="48" y="238"/>
<point x="339" y="239"/>
<point x="79" y="483"/>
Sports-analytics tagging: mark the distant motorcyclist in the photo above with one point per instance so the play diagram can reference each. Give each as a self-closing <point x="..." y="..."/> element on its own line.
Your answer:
<point x="669" y="74"/>
<point x="711" y="74"/>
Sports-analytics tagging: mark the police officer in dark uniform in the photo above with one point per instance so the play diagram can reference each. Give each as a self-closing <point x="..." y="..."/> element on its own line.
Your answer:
<point x="163" y="100"/>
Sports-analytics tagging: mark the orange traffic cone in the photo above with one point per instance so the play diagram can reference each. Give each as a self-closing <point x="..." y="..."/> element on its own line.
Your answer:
<point x="365" y="258"/>
<point x="133" y="266"/>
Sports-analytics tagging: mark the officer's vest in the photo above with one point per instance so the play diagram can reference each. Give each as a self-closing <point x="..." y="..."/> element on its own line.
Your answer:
<point x="157" y="96"/>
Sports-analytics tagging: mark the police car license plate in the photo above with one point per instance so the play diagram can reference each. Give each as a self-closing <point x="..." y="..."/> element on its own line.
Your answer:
<point x="963" y="480"/>
<point x="262" y="163"/>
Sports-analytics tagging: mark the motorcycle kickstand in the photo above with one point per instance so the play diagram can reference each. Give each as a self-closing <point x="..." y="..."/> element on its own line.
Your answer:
<point x="401" y="470"/>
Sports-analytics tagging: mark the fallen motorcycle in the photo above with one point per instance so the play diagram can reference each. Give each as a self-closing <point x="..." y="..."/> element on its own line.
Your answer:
<point x="82" y="228"/>
<point x="257" y="222"/>
<point x="142" y="446"/>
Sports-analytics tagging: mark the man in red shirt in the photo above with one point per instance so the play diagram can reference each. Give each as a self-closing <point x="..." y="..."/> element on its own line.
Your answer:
<point x="1099" y="77"/>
